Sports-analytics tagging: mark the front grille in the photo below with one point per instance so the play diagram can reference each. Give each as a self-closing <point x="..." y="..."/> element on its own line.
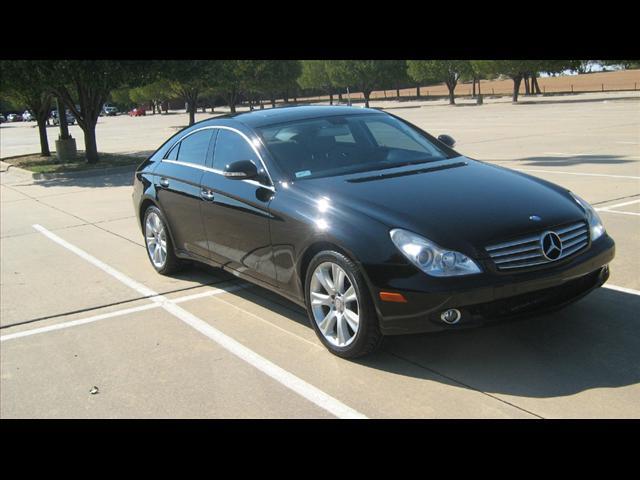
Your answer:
<point x="527" y="252"/>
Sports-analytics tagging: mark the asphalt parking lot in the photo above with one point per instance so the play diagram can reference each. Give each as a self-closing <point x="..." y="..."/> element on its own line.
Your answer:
<point x="81" y="306"/>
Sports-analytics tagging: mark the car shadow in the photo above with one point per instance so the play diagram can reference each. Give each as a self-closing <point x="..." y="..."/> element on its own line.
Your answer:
<point x="593" y="343"/>
<point x="567" y="161"/>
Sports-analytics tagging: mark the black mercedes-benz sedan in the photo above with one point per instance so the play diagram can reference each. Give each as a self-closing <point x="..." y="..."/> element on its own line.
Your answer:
<point x="370" y="223"/>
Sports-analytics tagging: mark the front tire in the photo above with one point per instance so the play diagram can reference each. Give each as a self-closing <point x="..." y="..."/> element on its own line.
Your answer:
<point x="158" y="242"/>
<point x="340" y="307"/>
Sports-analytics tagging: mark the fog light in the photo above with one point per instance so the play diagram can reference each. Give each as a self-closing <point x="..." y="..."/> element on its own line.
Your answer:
<point x="451" y="316"/>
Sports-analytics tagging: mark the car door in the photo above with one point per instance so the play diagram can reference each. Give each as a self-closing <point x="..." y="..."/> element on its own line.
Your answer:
<point x="177" y="182"/>
<point x="236" y="214"/>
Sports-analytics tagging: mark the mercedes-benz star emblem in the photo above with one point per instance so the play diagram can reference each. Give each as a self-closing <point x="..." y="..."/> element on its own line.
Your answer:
<point x="551" y="245"/>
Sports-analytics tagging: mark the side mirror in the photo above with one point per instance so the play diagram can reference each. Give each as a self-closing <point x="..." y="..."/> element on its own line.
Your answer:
<point x="447" y="140"/>
<point x="241" y="170"/>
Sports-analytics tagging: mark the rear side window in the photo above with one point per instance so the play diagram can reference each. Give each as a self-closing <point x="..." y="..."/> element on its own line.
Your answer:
<point x="173" y="154"/>
<point x="194" y="148"/>
<point x="231" y="147"/>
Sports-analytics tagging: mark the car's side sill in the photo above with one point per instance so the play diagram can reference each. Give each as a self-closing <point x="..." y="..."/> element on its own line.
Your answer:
<point x="212" y="263"/>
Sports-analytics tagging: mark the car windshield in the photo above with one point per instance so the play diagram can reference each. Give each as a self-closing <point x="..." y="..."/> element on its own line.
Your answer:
<point x="338" y="145"/>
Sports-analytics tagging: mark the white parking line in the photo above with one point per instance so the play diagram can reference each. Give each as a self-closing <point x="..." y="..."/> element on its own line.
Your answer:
<point x="287" y="379"/>
<point x="117" y="313"/>
<point x="74" y="323"/>
<point x="609" y="207"/>
<point x="631" y="177"/>
<point x="621" y="213"/>
<point x="622" y="289"/>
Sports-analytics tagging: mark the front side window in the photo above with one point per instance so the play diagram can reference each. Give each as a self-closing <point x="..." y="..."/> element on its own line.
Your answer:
<point x="231" y="147"/>
<point x="194" y="148"/>
<point x="339" y="145"/>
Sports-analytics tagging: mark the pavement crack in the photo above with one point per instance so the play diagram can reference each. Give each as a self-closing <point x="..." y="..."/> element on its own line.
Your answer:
<point x="106" y="305"/>
<point x="614" y="199"/>
<point x="465" y="385"/>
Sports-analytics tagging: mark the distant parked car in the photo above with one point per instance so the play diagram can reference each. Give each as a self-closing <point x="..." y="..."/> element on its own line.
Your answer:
<point x="2" y="118"/>
<point x="137" y="112"/>
<point x="27" y="116"/>
<point x="71" y="120"/>
<point x="14" y="117"/>
<point x="109" y="111"/>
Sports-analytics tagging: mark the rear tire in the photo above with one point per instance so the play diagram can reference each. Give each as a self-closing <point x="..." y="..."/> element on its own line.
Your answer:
<point x="158" y="242"/>
<point x="340" y="307"/>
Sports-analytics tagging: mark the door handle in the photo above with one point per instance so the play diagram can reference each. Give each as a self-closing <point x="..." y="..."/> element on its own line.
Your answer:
<point x="206" y="194"/>
<point x="164" y="182"/>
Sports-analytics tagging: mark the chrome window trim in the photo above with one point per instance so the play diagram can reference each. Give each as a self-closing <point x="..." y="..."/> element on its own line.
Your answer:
<point x="220" y="172"/>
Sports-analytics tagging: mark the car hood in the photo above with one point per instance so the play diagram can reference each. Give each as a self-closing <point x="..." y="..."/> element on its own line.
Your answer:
<point x="459" y="203"/>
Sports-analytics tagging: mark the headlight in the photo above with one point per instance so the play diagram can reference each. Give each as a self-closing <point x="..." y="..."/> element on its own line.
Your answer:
<point x="595" y="223"/>
<point x="431" y="258"/>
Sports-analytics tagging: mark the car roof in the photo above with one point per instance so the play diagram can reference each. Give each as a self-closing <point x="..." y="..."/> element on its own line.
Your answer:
<point x="271" y="116"/>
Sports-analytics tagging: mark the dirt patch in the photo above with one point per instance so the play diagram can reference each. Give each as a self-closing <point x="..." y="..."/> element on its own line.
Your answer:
<point x="622" y="80"/>
<point x="39" y="164"/>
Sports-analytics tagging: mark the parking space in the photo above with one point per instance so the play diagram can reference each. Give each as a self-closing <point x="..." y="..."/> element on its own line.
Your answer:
<point x="82" y="306"/>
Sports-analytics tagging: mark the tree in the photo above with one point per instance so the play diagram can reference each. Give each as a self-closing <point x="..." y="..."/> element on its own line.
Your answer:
<point x="121" y="97"/>
<point x="275" y="77"/>
<point x="84" y="86"/>
<point x="315" y="76"/>
<point x="187" y="78"/>
<point x="27" y="83"/>
<point x="626" y="64"/>
<point x="397" y="75"/>
<point x="154" y="93"/>
<point x="364" y="75"/>
<point x="230" y="78"/>
<point x="447" y="71"/>
<point x="514" y="69"/>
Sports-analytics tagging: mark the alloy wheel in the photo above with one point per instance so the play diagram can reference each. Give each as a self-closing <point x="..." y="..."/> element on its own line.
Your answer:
<point x="334" y="303"/>
<point x="156" y="237"/>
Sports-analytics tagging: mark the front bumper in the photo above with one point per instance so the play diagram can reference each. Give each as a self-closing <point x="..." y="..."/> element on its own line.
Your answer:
<point x="486" y="297"/>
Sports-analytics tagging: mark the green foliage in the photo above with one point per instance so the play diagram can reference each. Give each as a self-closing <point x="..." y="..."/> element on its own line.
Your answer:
<point x="26" y="83"/>
<point x="437" y="70"/>
<point x="362" y="75"/>
<point x="121" y="97"/>
<point x="315" y="76"/>
<point x="85" y="85"/>
<point x="447" y="71"/>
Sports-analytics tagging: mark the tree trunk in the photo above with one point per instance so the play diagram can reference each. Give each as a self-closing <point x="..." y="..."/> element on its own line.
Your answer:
<point x="330" y="98"/>
<point x="398" y="94"/>
<point x="474" y="88"/>
<point x="452" y="88"/>
<point x="418" y="91"/>
<point x="366" y="98"/>
<point x="516" y="87"/>
<point x="166" y="106"/>
<point x="44" y="141"/>
<point x="527" y="88"/>
<point x="273" y="101"/>
<point x="90" y="144"/>
<point x="534" y="84"/>
<point x="41" y="109"/>
<point x="479" y="92"/>
<point x="340" y="97"/>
